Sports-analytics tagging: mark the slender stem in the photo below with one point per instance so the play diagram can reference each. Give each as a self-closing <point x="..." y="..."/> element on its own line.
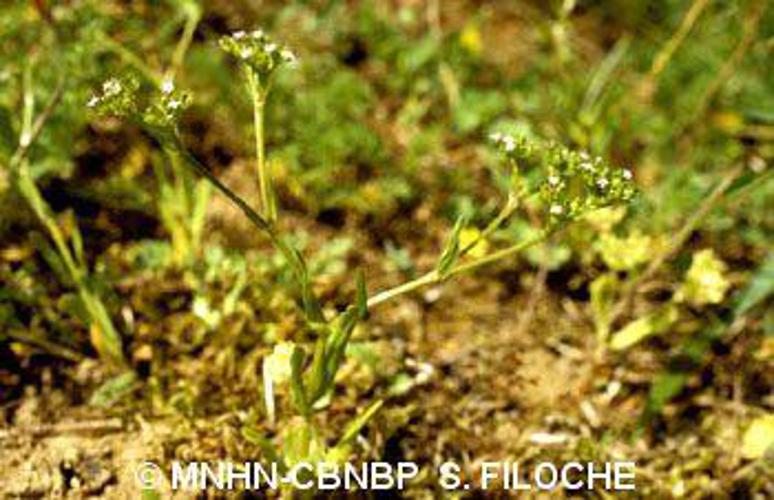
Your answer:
<point x="433" y="277"/>
<point x="193" y="15"/>
<point x="105" y="338"/>
<point x="49" y="346"/>
<point x="510" y="206"/>
<point x="258" y="96"/>
<point x="667" y="51"/>
<point x="30" y="133"/>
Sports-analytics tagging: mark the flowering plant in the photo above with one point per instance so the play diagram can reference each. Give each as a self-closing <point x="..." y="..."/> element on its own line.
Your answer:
<point x="573" y="184"/>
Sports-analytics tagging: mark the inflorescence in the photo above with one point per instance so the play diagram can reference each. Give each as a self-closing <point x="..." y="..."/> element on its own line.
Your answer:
<point x="258" y="54"/>
<point x="121" y="97"/>
<point x="574" y="182"/>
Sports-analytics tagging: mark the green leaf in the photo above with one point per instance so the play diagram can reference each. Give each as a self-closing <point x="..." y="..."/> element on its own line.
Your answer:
<point x="362" y="295"/>
<point x="652" y="324"/>
<point x="357" y="424"/>
<point x="341" y="332"/>
<point x="113" y="390"/>
<point x="760" y="287"/>
<point x="302" y="443"/>
<point x="665" y="387"/>
<point x="297" y="388"/>
<point x="451" y="249"/>
<point x="254" y="436"/>
<point x="603" y="293"/>
<point x="7" y="133"/>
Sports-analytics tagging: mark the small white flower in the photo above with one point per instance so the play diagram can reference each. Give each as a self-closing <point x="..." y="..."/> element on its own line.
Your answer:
<point x="553" y="180"/>
<point x="586" y="166"/>
<point x="509" y="143"/>
<point x="556" y="210"/>
<point x="167" y="86"/>
<point x="602" y="182"/>
<point x="288" y="56"/>
<point x="627" y="174"/>
<point x="270" y="47"/>
<point x="111" y="87"/>
<point x="246" y="52"/>
<point x="496" y="137"/>
<point x="93" y="101"/>
<point x="238" y="35"/>
<point x="174" y="104"/>
<point x="584" y="155"/>
<point x="257" y="34"/>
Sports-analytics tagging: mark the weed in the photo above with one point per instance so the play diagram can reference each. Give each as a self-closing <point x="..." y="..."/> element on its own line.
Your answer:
<point x="570" y="186"/>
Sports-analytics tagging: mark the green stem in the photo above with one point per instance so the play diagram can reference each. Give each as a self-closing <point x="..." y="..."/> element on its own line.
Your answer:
<point x="292" y="256"/>
<point x="105" y="338"/>
<point x="510" y="207"/>
<point x="432" y="277"/>
<point x="264" y="179"/>
<point x="193" y="15"/>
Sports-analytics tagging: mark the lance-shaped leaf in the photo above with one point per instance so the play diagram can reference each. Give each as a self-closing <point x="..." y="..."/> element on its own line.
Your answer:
<point x="356" y="425"/>
<point x="297" y="388"/>
<point x="451" y="249"/>
<point x="256" y="437"/>
<point x="362" y="295"/>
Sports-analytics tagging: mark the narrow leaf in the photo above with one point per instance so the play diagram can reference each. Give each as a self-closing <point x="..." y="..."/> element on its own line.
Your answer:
<point x="362" y="295"/>
<point x="356" y="425"/>
<point x="760" y="287"/>
<point x="451" y="249"/>
<point x="297" y="388"/>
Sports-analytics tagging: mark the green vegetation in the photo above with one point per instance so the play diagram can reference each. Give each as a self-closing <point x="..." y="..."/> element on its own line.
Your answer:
<point x="199" y="219"/>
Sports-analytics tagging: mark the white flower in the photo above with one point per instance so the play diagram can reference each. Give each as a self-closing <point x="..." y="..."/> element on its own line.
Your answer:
<point x="174" y="104"/>
<point x="167" y="86"/>
<point x="627" y="174"/>
<point x="270" y="47"/>
<point x="257" y="34"/>
<point x="554" y="180"/>
<point x="496" y="137"/>
<point x="238" y="35"/>
<point x="111" y="87"/>
<point x="509" y="143"/>
<point x="288" y="56"/>
<point x="93" y="101"/>
<point x="588" y="167"/>
<point x="246" y="52"/>
<point x="556" y="210"/>
<point x="602" y="182"/>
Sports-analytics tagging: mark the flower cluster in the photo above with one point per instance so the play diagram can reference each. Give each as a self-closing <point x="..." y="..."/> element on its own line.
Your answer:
<point x="259" y="55"/>
<point x="513" y="147"/>
<point x="574" y="183"/>
<point x="116" y="97"/>
<point x="167" y="105"/>
<point x="121" y="97"/>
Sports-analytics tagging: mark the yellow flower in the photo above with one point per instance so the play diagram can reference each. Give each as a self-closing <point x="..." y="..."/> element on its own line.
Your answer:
<point x="468" y="236"/>
<point x="705" y="282"/>
<point x="625" y="254"/>
<point x="471" y="39"/>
